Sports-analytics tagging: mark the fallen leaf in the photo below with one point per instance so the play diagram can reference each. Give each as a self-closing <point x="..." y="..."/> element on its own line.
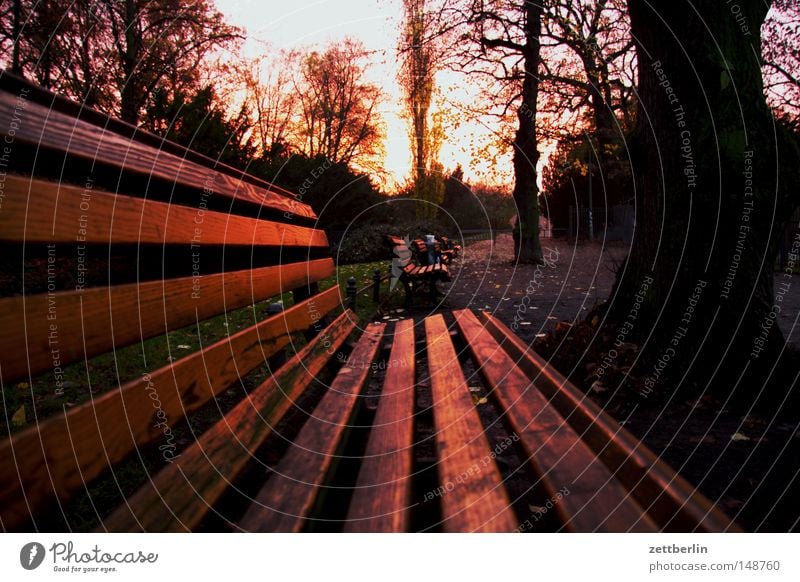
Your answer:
<point x="597" y="386"/>
<point x="19" y="417"/>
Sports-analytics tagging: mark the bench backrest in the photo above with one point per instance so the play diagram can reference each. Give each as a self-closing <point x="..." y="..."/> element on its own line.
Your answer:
<point x="113" y="236"/>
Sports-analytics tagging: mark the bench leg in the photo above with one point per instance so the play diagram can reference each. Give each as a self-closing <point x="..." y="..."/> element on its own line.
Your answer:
<point x="433" y="290"/>
<point x="409" y="292"/>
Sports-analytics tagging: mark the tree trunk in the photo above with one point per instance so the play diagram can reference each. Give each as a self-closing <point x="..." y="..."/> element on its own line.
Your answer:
<point x="712" y="200"/>
<point x="526" y="153"/>
<point x="130" y="91"/>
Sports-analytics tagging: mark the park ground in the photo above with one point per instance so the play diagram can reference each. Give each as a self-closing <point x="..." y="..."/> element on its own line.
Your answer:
<point x="743" y="460"/>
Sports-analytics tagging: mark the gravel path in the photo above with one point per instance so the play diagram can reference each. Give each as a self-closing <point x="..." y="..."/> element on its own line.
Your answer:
<point x="575" y="278"/>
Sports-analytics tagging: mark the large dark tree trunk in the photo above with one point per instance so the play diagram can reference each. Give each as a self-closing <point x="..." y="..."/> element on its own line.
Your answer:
<point x="714" y="175"/>
<point x="526" y="153"/>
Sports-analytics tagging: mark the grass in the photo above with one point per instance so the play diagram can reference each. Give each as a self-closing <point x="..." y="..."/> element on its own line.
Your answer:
<point x="26" y="403"/>
<point x="364" y="274"/>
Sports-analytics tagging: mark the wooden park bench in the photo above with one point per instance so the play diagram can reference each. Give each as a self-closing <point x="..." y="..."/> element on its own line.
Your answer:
<point x="416" y="278"/>
<point x="448" y="423"/>
<point x="445" y="252"/>
<point x="449" y="245"/>
<point x="449" y="248"/>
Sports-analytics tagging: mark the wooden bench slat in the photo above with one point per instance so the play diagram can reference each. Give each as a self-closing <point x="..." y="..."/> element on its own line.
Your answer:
<point x="47" y="127"/>
<point x="46" y="212"/>
<point x="474" y="499"/>
<point x="667" y="496"/>
<point x="284" y="503"/>
<point x="118" y="421"/>
<point x="382" y="498"/>
<point x="92" y="321"/>
<point x="596" y="502"/>
<point x="182" y="493"/>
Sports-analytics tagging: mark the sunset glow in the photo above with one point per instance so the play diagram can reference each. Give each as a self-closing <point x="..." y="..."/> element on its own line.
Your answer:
<point x="274" y="25"/>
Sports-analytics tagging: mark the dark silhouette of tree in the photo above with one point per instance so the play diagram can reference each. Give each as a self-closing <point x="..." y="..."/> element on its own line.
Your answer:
<point x="716" y="179"/>
<point x="112" y="54"/>
<point x="500" y="41"/>
<point x="271" y="97"/>
<point x="339" y="116"/>
<point x="35" y="34"/>
<point x="588" y="72"/>
<point x="419" y="62"/>
<point x="201" y="123"/>
<point x="588" y="62"/>
<point x="160" y="43"/>
<point x="336" y="192"/>
<point x="781" y="52"/>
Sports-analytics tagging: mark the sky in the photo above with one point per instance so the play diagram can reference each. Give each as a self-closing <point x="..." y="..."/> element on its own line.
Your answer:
<point x="292" y="24"/>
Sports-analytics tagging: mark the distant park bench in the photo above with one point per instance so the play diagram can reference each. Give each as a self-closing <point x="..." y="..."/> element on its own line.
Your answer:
<point x="416" y="278"/>
<point x="444" y="250"/>
<point x="336" y="429"/>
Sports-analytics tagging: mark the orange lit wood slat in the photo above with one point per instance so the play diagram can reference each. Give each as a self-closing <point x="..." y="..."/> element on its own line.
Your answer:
<point x="97" y="320"/>
<point x="47" y="212"/>
<point x="477" y="502"/>
<point x="180" y="495"/>
<point x="560" y="459"/>
<point x="284" y="503"/>
<point x="382" y="498"/>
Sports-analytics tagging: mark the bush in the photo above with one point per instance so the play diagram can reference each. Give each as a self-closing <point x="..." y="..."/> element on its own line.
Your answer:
<point x="367" y="243"/>
<point x="419" y="228"/>
<point x="364" y="244"/>
<point x="335" y="192"/>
